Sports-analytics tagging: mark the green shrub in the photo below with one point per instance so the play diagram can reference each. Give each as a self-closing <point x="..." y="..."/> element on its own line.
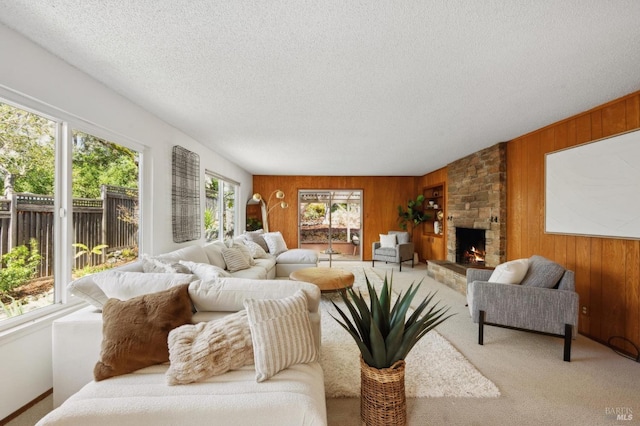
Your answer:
<point x="19" y="266"/>
<point x="89" y="251"/>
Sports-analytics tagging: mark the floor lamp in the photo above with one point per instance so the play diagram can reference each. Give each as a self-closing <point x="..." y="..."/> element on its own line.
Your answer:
<point x="267" y="207"/>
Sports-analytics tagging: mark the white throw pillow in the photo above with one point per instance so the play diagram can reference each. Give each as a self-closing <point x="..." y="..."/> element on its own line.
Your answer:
<point x="276" y="242"/>
<point x="256" y="251"/>
<point x="388" y="240"/>
<point x="281" y="334"/>
<point x="204" y="271"/>
<point x="155" y="265"/>
<point x="511" y="272"/>
<point x="126" y="285"/>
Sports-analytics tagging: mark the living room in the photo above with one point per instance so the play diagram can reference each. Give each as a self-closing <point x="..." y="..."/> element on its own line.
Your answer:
<point x="607" y="269"/>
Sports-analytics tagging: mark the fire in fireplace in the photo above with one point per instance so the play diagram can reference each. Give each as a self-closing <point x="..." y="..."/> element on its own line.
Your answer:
<point x="470" y="246"/>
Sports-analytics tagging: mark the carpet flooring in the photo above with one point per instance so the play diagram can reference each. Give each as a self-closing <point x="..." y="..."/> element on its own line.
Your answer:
<point x="434" y="367"/>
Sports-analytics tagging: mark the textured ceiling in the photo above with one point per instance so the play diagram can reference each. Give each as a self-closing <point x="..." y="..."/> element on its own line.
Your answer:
<point x="335" y="87"/>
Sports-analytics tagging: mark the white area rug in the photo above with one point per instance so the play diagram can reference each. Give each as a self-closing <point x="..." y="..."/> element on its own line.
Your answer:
<point x="434" y="367"/>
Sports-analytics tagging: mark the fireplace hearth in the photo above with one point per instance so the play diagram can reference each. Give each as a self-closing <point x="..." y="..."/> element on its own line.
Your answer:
<point x="470" y="246"/>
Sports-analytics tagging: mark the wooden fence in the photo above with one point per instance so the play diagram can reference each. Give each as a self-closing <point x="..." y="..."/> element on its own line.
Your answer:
<point x="110" y="220"/>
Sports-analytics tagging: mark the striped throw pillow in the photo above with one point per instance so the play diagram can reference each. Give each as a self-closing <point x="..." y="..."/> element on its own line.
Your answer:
<point x="235" y="260"/>
<point x="281" y="334"/>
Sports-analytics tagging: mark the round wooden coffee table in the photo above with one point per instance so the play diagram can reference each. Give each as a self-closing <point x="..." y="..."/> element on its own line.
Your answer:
<point x="327" y="279"/>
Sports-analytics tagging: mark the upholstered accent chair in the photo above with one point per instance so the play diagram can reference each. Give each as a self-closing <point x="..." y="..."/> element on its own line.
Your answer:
<point x="394" y="247"/>
<point x="544" y="301"/>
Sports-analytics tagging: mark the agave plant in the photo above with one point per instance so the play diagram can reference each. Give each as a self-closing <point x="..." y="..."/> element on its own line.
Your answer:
<point x="380" y="331"/>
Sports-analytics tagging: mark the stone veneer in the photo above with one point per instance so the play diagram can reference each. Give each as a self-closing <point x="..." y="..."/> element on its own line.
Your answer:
<point x="476" y="198"/>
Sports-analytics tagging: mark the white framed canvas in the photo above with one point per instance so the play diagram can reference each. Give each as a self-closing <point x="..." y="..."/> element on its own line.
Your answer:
<point x="594" y="189"/>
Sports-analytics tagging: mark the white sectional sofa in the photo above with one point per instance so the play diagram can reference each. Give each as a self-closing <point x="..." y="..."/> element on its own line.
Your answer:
<point x="294" y="396"/>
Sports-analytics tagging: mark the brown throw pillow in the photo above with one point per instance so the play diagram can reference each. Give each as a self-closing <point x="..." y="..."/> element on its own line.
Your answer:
<point x="135" y="331"/>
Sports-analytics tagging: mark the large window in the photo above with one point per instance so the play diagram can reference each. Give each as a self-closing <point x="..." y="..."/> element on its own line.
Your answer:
<point x="220" y="216"/>
<point x="46" y="171"/>
<point x="27" y="167"/>
<point x="105" y="204"/>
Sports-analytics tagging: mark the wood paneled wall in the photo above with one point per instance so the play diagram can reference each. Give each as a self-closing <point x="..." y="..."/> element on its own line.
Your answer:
<point x="607" y="269"/>
<point x="381" y="197"/>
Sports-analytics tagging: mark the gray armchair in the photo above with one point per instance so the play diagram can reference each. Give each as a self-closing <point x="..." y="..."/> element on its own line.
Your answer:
<point x="401" y="252"/>
<point x="545" y="302"/>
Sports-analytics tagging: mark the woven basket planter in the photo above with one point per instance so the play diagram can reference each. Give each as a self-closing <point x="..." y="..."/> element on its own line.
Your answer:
<point x="382" y="396"/>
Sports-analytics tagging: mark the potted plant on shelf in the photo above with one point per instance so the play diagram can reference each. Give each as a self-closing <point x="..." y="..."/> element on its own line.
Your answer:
<point x="413" y="216"/>
<point x="385" y="336"/>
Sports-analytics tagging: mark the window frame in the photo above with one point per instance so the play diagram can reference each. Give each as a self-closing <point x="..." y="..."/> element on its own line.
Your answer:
<point x="64" y="302"/>
<point x="221" y="207"/>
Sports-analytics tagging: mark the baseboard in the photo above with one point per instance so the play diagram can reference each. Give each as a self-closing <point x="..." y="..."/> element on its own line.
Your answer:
<point x="25" y="407"/>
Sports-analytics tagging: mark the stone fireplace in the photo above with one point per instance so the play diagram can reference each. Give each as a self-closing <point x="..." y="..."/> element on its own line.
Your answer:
<point x="476" y="201"/>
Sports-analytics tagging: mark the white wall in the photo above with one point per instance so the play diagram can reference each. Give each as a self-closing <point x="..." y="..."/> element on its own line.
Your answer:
<point x="25" y="362"/>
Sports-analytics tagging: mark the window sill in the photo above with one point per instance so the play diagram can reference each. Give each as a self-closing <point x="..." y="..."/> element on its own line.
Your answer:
<point x="31" y="322"/>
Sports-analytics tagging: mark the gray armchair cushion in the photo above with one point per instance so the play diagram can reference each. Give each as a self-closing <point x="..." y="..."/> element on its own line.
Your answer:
<point x="401" y="236"/>
<point x="386" y="251"/>
<point x="532" y="308"/>
<point x="542" y="273"/>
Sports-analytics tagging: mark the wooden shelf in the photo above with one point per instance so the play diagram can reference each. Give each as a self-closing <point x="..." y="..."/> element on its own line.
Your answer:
<point x="431" y="234"/>
<point x="433" y="245"/>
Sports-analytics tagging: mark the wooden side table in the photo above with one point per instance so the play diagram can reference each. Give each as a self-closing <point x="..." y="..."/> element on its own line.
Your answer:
<point x="327" y="279"/>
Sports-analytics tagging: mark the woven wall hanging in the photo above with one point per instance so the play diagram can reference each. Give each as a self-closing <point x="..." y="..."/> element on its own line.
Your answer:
<point x="185" y="195"/>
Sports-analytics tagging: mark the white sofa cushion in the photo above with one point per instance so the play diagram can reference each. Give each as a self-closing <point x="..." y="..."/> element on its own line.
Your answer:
<point x="281" y="334"/>
<point x="253" y="273"/>
<point x="192" y="253"/>
<point x="126" y="285"/>
<point x="295" y="256"/>
<point x="228" y="294"/>
<point x="235" y="398"/>
<point x="267" y="263"/>
<point x="87" y="289"/>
